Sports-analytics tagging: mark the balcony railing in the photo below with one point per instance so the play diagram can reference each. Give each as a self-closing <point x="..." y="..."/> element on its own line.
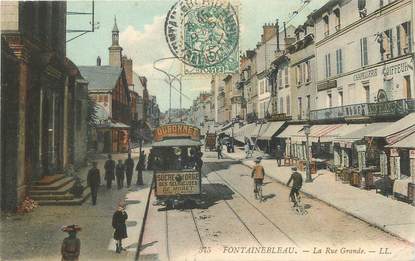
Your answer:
<point x="375" y="110"/>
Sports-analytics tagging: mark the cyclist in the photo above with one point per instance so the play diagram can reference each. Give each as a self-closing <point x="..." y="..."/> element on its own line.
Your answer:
<point x="258" y="174"/>
<point x="297" y="183"/>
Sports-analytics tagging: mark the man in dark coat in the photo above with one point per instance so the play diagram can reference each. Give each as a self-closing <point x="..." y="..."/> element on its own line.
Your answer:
<point x="279" y="154"/>
<point x="109" y="171"/>
<point x="297" y="184"/>
<point x="219" y="150"/>
<point x="118" y="223"/>
<point x="94" y="181"/>
<point x="140" y="167"/>
<point x="129" y="168"/>
<point x="119" y="172"/>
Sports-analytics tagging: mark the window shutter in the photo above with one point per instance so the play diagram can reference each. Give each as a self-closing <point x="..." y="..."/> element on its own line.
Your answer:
<point x="365" y="56"/>
<point x="409" y="35"/>
<point x="328" y="60"/>
<point x="398" y="39"/>
<point x="391" y="42"/>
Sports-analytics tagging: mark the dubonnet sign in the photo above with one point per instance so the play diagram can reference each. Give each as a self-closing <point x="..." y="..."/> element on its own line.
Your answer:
<point x="176" y="130"/>
<point x="174" y="183"/>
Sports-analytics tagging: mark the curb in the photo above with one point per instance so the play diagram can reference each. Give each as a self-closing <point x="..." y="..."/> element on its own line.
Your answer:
<point x="308" y="194"/>
<point x="140" y="238"/>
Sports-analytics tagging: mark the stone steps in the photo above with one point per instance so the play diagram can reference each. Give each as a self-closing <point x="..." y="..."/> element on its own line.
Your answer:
<point x="66" y="202"/>
<point x="53" y="186"/>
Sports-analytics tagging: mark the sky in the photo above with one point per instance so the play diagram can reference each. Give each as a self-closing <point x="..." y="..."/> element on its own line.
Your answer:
<point x="141" y="25"/>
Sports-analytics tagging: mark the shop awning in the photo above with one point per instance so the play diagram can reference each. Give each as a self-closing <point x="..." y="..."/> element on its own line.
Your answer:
<point x="176" y="143"/>
<point x="112" y="125"/>
<point x="397" y="130"/>
<point x="271" y="129"/>
<point x="289" y="131"/>
<point x="243" y="132"/>
<point x="408" y="142"/>
<point x="361" y="132"/>
<point x="318" y="133"/>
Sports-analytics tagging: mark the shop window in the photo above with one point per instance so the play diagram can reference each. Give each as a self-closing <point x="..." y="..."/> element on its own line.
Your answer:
<point x="329" y="100"/>
<point x="367" y="93"/>
<point x="407" y="87"/>
<point x="341" y="98"/>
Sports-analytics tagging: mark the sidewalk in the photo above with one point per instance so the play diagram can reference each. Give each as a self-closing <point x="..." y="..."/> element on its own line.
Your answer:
<point x="392" y="216"/>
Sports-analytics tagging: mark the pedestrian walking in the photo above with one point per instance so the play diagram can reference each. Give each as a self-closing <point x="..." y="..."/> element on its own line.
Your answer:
<point x="71" y="246"/>
<point x="109" y="171"/>
<point x="94" y="181"/>
<point x="247" y="150"/>
<point x="219" y="150"/>
<point x="140" y="167"/>
<point x="129" y="168"/>
<point x="119" y="173"/>
<point x="297" y="184"/>
<point x="120" y="229"/>
<point x="279" y="154"/>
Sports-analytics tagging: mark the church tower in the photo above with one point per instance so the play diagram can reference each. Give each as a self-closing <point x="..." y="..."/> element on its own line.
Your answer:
<point x="115" y="50"/>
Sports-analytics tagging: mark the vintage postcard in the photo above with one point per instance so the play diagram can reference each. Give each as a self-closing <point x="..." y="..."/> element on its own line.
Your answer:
<point x="225" y="130"/>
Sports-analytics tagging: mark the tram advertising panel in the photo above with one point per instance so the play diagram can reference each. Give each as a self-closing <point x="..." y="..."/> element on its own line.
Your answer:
<point x="171" y="183"/>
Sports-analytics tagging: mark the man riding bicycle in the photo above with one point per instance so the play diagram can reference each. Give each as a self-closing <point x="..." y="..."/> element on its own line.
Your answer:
<point x="297" y="184"/>
<point x="258" y="174"/>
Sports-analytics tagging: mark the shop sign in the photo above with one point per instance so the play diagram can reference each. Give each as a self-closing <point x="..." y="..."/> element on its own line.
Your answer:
<point x="365" y="75"/>
<point x="395" y="69"/>
<point x="394" y="153"/>
<point x="389" y="108"/>
<point x="280" y="117"/>
<point x="177" y="183"/>
<point x="352" y="110"/>
<point x="176" y="130"/>
<point x="412" y="154"/>
<point x="361" y="148"/>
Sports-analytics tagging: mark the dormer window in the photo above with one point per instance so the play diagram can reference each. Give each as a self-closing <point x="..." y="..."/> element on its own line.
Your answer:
<point x="337" y="14"/>
<point x="326" y="25"/>
<point x="361" y="5"/>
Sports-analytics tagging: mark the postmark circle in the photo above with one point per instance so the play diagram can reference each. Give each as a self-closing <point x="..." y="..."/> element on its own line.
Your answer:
<point x="202" y="33"/>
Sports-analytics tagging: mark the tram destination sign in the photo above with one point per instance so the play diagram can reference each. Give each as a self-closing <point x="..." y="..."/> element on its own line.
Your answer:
<point x="177" y="183"/>
<point x="176" y="130"/>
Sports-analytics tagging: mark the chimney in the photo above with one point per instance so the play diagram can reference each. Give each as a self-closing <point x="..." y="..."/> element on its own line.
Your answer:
<point x="277" y="29"/>
<point x="98" y="61"/>
<point x="128" y="68"/>
<point x="268" y="32"/>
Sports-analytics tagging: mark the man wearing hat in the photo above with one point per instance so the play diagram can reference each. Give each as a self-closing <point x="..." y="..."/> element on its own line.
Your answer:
<point x="129" y="168"/>
<point x="119" y="173"/>
<point x="71" y="246"/>
<point x="109" y="171"/>
<point x="94" y="181"/>
<point x="258" y="173"/>
<point x="297" y="184"/>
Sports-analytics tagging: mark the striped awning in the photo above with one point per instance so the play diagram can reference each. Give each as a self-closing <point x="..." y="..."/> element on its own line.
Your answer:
<point x="318" y="133"/>
<point x="271" y="129"/>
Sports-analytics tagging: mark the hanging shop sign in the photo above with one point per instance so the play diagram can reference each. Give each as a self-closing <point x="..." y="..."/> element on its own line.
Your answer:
<point x="176" y="130"/>
<point x="360" y="148"/>
<point x="394" y="153"/>
<point x="412" y="154"/>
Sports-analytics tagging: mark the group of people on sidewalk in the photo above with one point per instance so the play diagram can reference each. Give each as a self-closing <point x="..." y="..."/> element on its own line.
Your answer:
<point x="115" y="171"/>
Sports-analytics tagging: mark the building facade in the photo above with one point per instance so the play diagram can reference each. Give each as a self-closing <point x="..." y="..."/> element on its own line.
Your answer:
<point x="363" y="53"/>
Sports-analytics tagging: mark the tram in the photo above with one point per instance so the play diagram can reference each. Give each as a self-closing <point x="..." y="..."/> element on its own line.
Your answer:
<point x="176" y="153"/>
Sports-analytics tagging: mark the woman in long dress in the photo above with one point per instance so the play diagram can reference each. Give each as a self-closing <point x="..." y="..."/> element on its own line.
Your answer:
<point x="120" y="228"/>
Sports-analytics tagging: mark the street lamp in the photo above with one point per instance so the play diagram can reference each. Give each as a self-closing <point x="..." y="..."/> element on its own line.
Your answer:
<point x="307" y="170"/>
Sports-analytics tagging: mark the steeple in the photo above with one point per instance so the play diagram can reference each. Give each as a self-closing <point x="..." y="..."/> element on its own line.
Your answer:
<point x="115" y="50"/>
<point x="115" y="33"/>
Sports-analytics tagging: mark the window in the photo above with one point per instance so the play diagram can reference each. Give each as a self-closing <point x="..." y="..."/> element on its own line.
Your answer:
<point x="403" y="38"/>
<point x="367" y="93"/>
<point x="341" y="98"/>
<point x="387" y="44"/>
<point x="339" y="61"/>
<point x="308" y="105"/>
<point x="329" y="100"/>
<point x="308" y="71"/>
<point x="326" y="25"/>
<point x="286" y="76"/>
<point x="281" y="105"/>
<point x="297" y="74"/>
<point x="288" y="105"/>
<point x="280" y="85"/>
<point x="363" y="52"/>
<point x="337" y="14"/>
<point x="407" y="87"/>
<point x="328" y="69"/>
<point x="300" y="107"/>
<point x="361" y="5"/>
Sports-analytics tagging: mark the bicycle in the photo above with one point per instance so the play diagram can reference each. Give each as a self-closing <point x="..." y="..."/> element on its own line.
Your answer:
<point x="298" y="205"/>
<point x="258" y="192"/>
